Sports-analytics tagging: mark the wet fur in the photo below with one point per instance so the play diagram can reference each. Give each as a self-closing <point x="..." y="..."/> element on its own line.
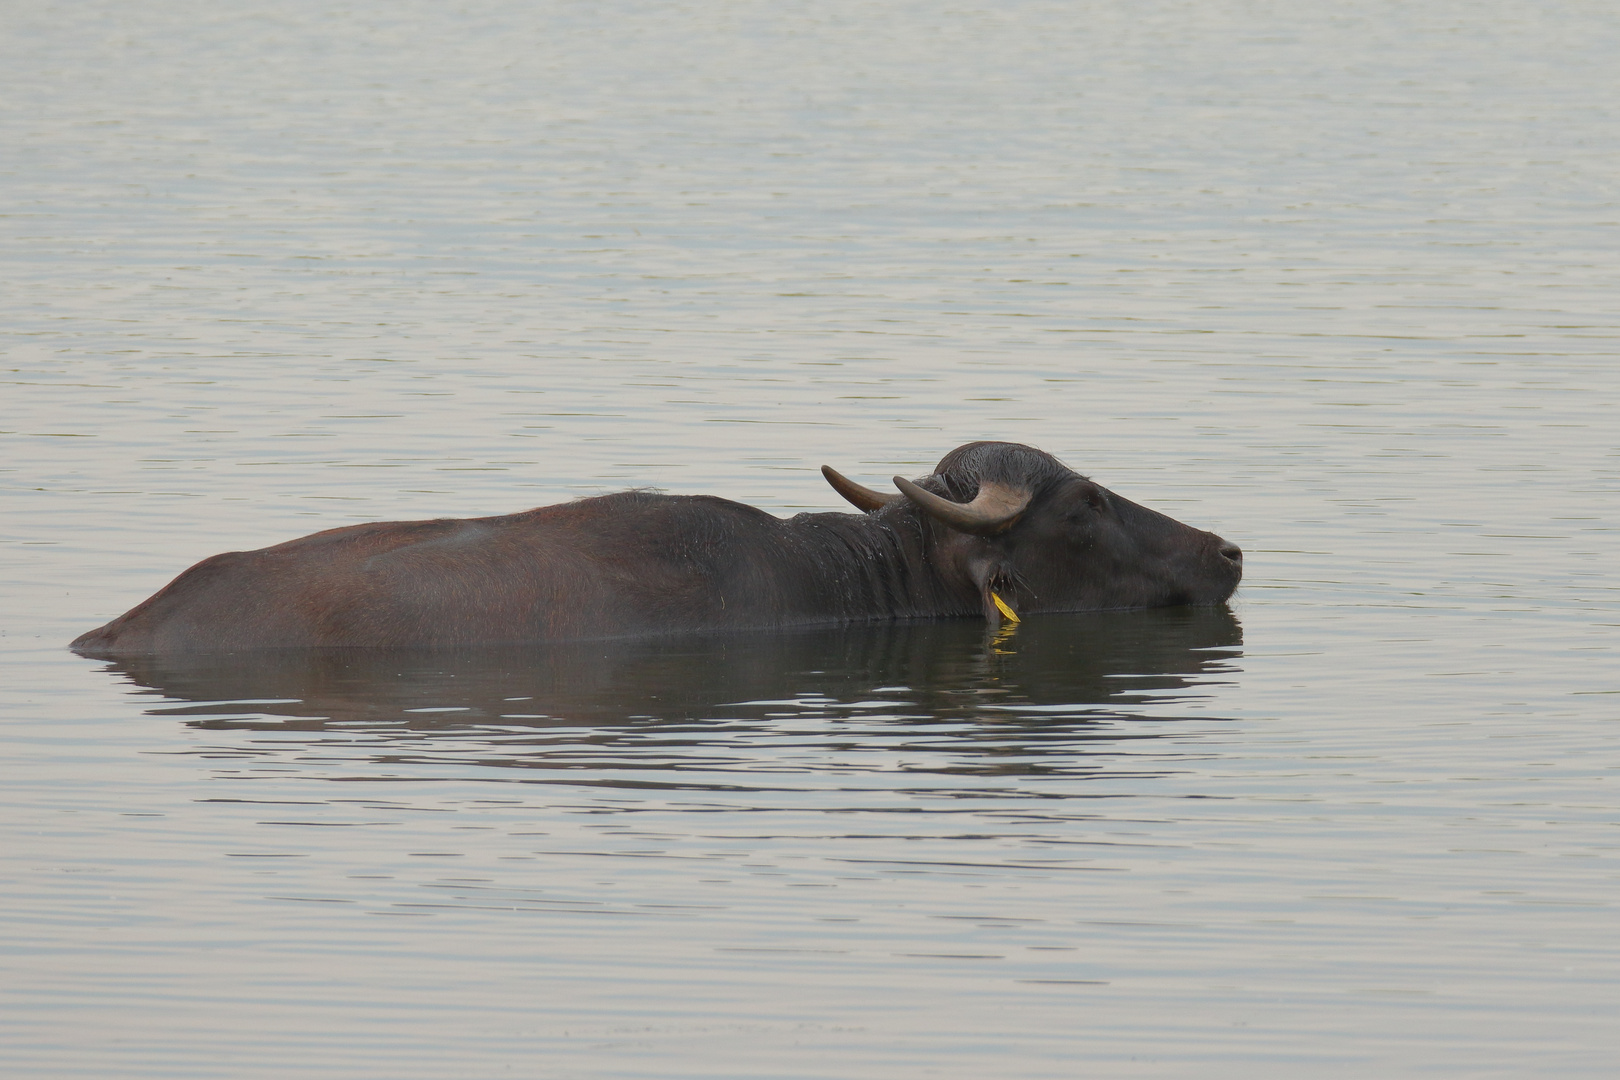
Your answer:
<point x="638" y="563"/>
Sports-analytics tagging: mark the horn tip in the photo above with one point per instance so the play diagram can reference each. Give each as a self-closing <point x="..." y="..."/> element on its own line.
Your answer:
<point x="910" y="486"/>
<point x="862" y="498"/>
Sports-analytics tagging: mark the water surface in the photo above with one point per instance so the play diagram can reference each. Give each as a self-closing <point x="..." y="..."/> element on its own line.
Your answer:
<point x="1337" y="284"/>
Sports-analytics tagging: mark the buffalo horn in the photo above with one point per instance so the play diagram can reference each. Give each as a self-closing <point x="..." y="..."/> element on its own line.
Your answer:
<point x="862" y="498"/>
<point x="993" y="510"/>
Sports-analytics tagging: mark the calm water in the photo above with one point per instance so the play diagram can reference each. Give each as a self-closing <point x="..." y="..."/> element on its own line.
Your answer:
<point x="1338" y="282"/>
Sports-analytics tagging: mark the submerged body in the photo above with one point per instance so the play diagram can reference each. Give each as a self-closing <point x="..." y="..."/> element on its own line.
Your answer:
<point x="994" y="520"/>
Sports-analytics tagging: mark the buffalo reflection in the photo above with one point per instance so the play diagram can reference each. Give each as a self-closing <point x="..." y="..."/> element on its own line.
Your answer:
<point x="1055" y="666"/>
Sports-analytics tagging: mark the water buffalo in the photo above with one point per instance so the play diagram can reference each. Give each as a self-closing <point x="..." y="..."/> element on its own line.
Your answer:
<point x="997" y="530"/>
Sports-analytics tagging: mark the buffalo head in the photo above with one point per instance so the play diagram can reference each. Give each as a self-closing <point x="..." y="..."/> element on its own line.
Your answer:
<point x="1011" y="521"/>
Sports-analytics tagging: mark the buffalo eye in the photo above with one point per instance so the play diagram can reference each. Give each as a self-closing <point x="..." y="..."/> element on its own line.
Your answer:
<point x="1084" y="510"/>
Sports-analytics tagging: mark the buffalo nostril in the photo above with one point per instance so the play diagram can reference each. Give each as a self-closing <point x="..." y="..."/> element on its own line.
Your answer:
<point x="1232" y="552"/>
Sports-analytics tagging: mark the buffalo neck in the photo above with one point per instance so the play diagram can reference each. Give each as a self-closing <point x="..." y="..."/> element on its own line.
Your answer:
<point x="883" y="565"/>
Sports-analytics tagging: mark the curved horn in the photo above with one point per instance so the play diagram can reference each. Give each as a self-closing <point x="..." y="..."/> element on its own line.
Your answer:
<point x="862" y="498"/>
<point x="994" y="510"/>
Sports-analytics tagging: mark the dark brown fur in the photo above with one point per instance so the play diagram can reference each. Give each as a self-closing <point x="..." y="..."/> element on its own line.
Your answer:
<point x="636" y="563"/>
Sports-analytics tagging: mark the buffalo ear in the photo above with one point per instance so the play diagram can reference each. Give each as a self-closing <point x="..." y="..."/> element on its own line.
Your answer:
<point x="862" y="498"/>
<point x="995" y="509"/>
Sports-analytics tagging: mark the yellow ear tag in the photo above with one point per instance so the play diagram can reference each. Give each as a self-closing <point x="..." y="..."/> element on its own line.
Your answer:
<point x="1001" y="605"/>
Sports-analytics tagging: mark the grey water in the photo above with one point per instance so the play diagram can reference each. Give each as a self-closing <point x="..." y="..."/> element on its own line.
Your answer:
<point x="1336" y="281"/>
